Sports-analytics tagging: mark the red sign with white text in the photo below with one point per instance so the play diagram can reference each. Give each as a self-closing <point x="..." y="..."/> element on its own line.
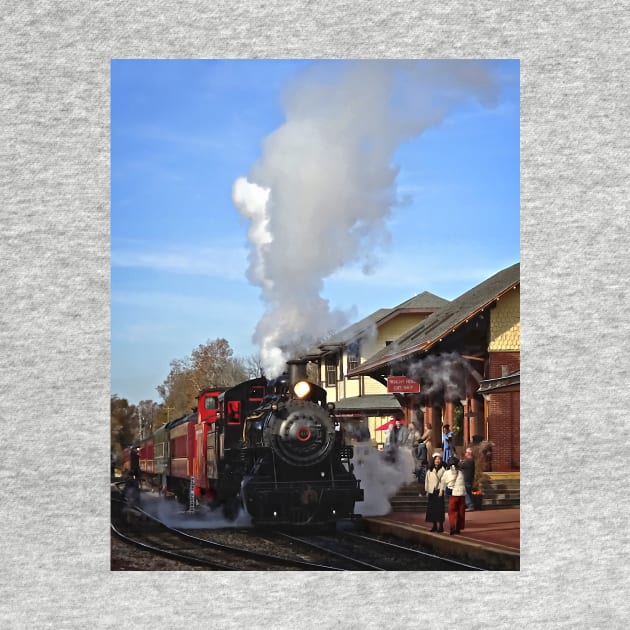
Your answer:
<point x="402" y="385"/>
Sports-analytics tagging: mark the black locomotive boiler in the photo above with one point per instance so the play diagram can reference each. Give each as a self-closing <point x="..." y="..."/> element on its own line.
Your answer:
<point x="282" y="458"/>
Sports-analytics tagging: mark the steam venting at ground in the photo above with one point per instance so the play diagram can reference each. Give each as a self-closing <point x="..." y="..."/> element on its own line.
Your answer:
<point x="381" y="473"/>
<point x="445" y="376"/>
<point x="320" y="195"/>
<point x="173" y="514"/>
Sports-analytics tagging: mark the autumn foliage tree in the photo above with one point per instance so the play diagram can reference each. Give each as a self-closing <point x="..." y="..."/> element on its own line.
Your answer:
<point x="124" y="424"/>
<point x="210" y="365"/>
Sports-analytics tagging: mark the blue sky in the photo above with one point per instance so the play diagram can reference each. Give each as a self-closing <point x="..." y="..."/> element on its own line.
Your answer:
<point x="183" y="131"/>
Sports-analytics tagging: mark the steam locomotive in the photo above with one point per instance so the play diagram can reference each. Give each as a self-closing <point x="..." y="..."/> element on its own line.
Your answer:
<point x="272" y="447"/>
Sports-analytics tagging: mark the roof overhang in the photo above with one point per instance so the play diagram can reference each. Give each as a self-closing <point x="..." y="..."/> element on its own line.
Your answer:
<point x="504" y="384"/>
<point x="374" y="367"/>
<point x="370" y="403"/>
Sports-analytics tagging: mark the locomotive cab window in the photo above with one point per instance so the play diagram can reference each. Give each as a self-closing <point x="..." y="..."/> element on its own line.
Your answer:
<point x="210" y="403"/>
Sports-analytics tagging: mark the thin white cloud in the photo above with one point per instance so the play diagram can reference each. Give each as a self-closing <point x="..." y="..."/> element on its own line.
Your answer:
<point x="227" y="263"/>
<point x="414" y="273"/>
<point x="179" y="139"/>
<point x="180" y="302"/>
<point x="163" y="313"/>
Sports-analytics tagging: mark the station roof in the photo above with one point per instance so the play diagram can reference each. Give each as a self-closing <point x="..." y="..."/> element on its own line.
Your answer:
<point x="508" y="383"/>
<point x="442" y="323"/>
<point x="372" y="403"/>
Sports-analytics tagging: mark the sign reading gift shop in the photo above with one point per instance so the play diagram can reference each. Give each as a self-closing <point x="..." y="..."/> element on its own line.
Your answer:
<point x="402" y="385"/>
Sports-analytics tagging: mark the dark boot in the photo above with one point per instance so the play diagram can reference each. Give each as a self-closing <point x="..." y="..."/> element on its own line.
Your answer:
<point x="434" y="528"/>
<point x="441" y="527"/>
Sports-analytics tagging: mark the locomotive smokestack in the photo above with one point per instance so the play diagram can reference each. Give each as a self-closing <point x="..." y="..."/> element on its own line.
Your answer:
<point x="297" y="370"/>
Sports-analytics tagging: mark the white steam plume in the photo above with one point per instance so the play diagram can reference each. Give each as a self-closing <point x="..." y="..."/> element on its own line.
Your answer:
<point x="448" y="376"/>
<point x="320" y="195"/>
<point x="382" y="473"/>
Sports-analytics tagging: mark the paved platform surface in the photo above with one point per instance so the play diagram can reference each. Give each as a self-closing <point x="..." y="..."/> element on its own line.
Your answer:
<point x="491" y="536"/>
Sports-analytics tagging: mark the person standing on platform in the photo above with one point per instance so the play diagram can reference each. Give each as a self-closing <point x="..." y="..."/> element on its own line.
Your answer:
<point x="468" y="470"/>
<point x="452" y="485"/>
<point x="447" y="443"/>
<point x="398" y="434"/>
<point x="435" y="499"/>
<point x="426" y="443"/>
<point x="413" y="439"/>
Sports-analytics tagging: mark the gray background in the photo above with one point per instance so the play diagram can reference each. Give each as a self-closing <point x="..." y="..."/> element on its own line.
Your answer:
<point x="54" y="320"/>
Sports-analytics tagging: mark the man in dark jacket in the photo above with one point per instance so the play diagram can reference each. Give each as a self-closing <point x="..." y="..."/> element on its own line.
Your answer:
<point x="398" y="434"/>
<point x="468" y="468"/>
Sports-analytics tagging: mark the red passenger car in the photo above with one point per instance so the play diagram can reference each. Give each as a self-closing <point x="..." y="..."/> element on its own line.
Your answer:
<point x="181" y="438"/>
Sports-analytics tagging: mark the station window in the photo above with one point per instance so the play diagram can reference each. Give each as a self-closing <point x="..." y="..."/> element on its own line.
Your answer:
<point x="331" y="371"/>
<point x="353" y="357"/>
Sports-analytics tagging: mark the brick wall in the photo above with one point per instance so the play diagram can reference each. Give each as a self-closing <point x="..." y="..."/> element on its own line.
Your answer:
<point x="503" y="415"/>
<point x="500" y="362"/>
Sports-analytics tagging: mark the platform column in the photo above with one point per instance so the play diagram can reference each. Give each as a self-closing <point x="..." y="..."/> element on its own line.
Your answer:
<point x="436" y="423"/>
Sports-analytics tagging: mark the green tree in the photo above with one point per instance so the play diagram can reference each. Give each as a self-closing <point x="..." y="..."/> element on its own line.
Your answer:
<point x="124" y="424"/>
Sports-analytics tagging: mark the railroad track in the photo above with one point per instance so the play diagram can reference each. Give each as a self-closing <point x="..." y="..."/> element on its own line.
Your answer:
<point x="150" y="534"/>
<point x="343" y="550"/>
<point x="326" y="544"/>
<point x="373" y="554"/>
<point x="171" y="553"/>
<point x="421" y="557"/>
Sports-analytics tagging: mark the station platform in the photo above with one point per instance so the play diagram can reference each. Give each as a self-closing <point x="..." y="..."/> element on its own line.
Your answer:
<point x="491" y="536"/>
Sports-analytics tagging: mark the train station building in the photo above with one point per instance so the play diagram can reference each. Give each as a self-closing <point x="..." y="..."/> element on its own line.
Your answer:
<point x="363" y="398"/>
<point x="434" y="362"/>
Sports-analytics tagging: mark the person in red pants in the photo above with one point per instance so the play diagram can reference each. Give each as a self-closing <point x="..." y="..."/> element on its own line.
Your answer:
<point x="453" y="487"/>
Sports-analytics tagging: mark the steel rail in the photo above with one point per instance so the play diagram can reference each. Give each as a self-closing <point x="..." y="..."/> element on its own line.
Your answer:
<point x="413" y="551"/>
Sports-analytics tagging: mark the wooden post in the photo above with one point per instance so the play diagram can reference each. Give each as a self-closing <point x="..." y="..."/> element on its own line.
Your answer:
<point x="467" y="421"/>
<point x="478" y="427"/>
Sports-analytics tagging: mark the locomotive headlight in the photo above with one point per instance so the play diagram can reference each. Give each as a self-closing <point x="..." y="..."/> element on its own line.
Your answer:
<point x="302" y="389"/>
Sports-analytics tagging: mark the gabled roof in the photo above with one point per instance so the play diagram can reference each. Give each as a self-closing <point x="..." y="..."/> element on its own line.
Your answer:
<point x="443" y="322"/>
<point x="424" y="302"/>
<point x="347" y="335"/>
<point x="352" y="332"/>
